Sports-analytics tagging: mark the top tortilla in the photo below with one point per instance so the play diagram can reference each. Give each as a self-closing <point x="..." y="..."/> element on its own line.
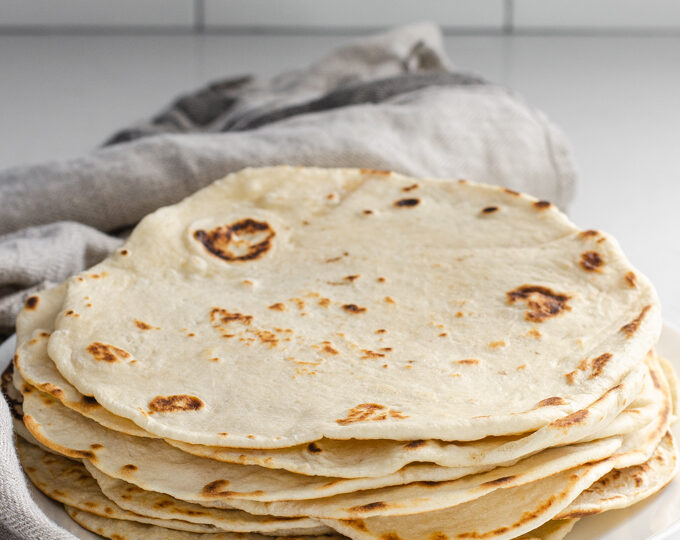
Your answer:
<point x="282" y="305"/>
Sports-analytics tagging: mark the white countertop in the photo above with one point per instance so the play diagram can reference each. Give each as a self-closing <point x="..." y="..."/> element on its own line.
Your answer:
<point x="616" y="98"/>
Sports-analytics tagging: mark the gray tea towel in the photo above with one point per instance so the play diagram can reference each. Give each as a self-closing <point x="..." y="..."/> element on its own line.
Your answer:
<point x="391" y="101"/>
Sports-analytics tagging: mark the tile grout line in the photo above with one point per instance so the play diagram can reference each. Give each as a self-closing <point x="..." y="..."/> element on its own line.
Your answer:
<point x="199" y="17"/>
<point x="508" y="17"/>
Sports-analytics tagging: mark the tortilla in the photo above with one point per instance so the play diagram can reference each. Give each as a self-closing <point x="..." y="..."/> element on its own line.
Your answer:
<point x="399" y="328"/>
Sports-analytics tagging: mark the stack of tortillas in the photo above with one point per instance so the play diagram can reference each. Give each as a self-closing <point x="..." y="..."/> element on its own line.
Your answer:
<point x="322" y="353"/>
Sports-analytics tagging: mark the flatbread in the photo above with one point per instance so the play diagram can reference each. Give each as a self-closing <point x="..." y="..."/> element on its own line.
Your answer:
<point x="118" y="528"/>
<point x="334" y="303"/>
<point x="622" y="488"/>
<point x="159" y="505"/>
<point x="68" y="482"/>
<point x="345" y="459"/>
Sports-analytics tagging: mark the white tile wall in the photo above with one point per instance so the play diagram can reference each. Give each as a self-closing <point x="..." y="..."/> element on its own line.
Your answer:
<point x="97" y="13"/>
<point x="596" y="14"/>
<point x="352" y="13"/>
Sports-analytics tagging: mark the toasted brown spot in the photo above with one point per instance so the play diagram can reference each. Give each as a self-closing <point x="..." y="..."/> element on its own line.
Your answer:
<point x="324" y="302"/>
<point x="142" y="325"/>
<point x="219" y="315"/>
<point x="368" y="212"/>
<point x="542" y="205"/>
<point x="215" y="487"/>
<point x="467" y="361"/>
<point x="353" y="308"/>
<point x="175" y="403"/>
<point x="496" y="344"/>
<point x="51" y="389"/>
<point x="511" y="191"/>
<point x="459" y="314"/>
<point x="106" y="353"/>
<point x="543" y="302"/>
<point x="490" y="209"/>
<point x="327" y="348"/>
<point x="96" y="446"/>
<point x="438" y="536"/>
<point x="124" y="252"/>
<point x="351" y="278"/>
<point x="631" y="279"/>
<point x="32" y="302"/>
<point x="591" y="261"/>
<point x="630" y="328"/>
<point x="597" y="365"/>
<point x="414" y="444"/>
<point x="588" y="234"/>
<point x="368" y="507"/>
<point x="129" y="468"/>
<point x="390" y="536"/>
<point x="443" y="334"/>
<point x="551" y="402"/>
<point x="313" y="448"/>
<point x="358" y="524"/>
<point x="369" y="412"/>
<point x="499" y="481"/>
<point x="381" y="331"/>
<point x="89" y="401"/>
<point x="371" y="355"/>
<point x="243" y="240"/>
<point x="278" y="306"/>
<point x="572" y="419"/>
<point x="376" y="172"/>
<point x="381" y="280"/>
<point x="410" y="188"/>
<point x="389" y="300"/>
<point x="406" y="203"/>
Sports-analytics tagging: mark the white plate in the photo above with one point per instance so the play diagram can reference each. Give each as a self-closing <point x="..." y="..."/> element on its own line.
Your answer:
<point x="657" y="518"/>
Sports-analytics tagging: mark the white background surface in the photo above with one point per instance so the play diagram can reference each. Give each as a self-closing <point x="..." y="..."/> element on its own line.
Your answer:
<point x="616" y="97"/>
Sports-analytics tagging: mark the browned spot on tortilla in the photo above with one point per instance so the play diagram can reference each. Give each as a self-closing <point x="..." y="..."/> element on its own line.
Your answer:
<point x="336" y="259"/>
<point x="489" y="209"/>
<point x="410" y="188"/>
<point x="129" y="468"/>
<point x="266" y="337"/>
<point x="521" y="367"/>
<point x="381" y="331"/>
<point x="223" y="434"/>
<point x="142" y="325"/>
<point x="592" y="261"/>
<point x="630" y="328"/>
<point x="353" y="308"/>
<point x="377" y="172"/>
<point x="371" y="355"/>
<point x="438" y="536"/>
<point x="597" y="365"/>
<point x="580" y="514"/>
<point x="324" y="302"/>
<point x="368" y="507"/>
<point x="542" y="205"/>
<point x="89" y="401"/>
<point x="390" y="536"/>
<point x="459" y="314"/>
<point x="496" y="344"/>
<point x="215" y="487"/>
<point x="51" y="389"/>
<point x="571" y="420"/>
<point x="219" y="315"/>
<point x="71" y="313"/>
<point x="443" y="334"/>
<point x="328" y="348"/>
<point x="534" y="332"/>
<point x="631" y="279"/>
<point x="351" y="278"/>
<point x="407" y="203"/>
<point x="589" y="233"/>
<point x="542" y="302"/>
<point x="243" y="240"/>
<point x="467" y="361"/>
<point x="511" y="191"/>
<point x="175" y="403"/>
<point x="499" y="481"/>
<point x="368" y="212"/>
<point x="358" y="524"/>
<point x="389" y="300"/>
<point x="32" y="302"/>
<point x="106" y="353"/>
<point x="414" y="444"/>
<point x="313" y="448"/>
<point x="369" y="412"/>
<point x="551" y="402"/>
<point x="278" y="306"/>
<point x="124" y="252"/>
